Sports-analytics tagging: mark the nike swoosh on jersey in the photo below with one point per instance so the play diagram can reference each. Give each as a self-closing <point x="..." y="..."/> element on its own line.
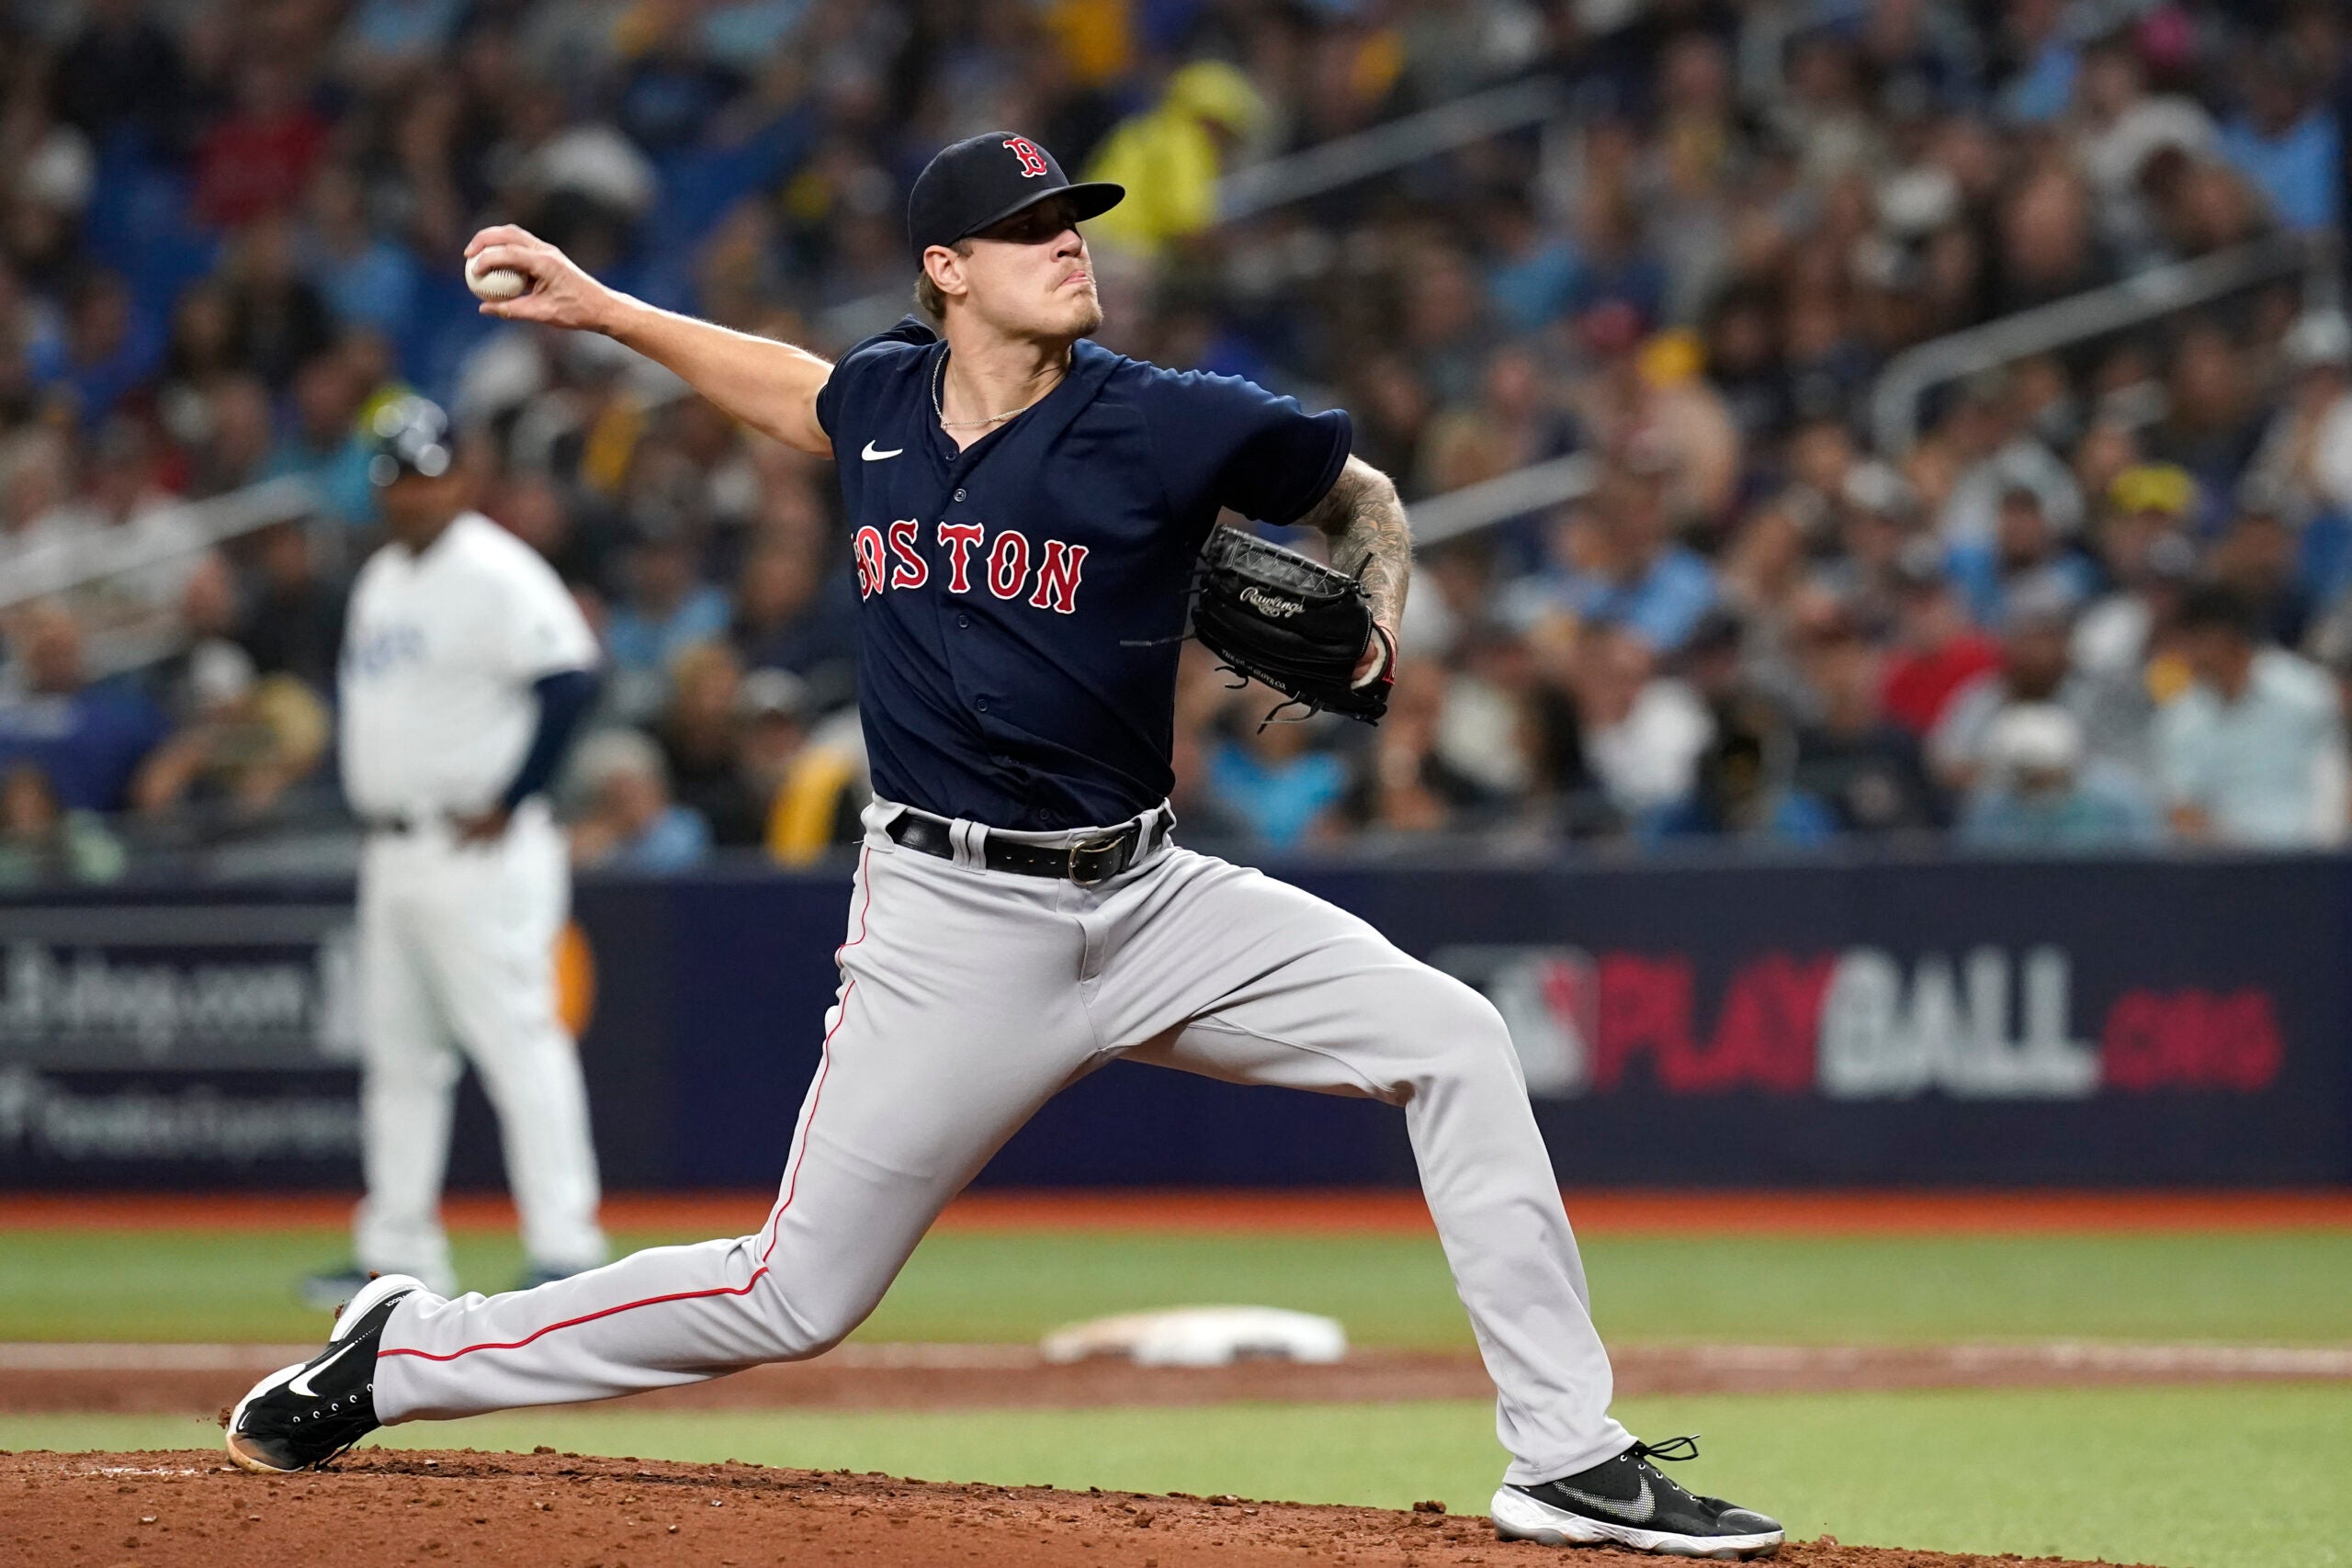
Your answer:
<point x="301" y="1384"/>
<point x="1635" y="1511"/>
<point x="873" y="454"/>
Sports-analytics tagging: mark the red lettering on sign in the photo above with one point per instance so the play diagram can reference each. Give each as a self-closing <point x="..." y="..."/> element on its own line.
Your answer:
<point x="959" y="538"/>
<point x="2191" y="1040"/>
<point x="910" y="570"/>
<point x="1764" y="1038"/>
<point x="1770" y="1025"/>
<point x="1008" y="564"/>
<point x="1058" y="577"/>
<point x="1645" y="1008"/>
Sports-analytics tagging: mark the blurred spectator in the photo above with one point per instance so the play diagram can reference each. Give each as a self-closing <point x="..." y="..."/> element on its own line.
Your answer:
<point x="791" y="614"/>
<point x="1936" y="650"/>
<point x="1168" y="157"/>
<point x="2034" y="671"/>
<point x="251" y="738"/>
<point x="810" y="785"/>
<point x="1865" y="770"/>
<point x="2209" y="427"/>
<point x="325" y="445"/>
<point x="42" y="842"/>
<point x="2305" y="457"/>
<point x="1275" y="777"/>
<point x="628" y="821"/>
<point x="256" y="160"/>
<point x="88" y="740"/>
<point x="2255" y="557"/>
<point x="109" y="346"/>
<point x="1401" y="792"/>
<point x="1641" y="733"/>
<point x="666" y="611"/>
<point x="2285" y="140"/>
<point x="578" y="538"/>
<point x="2123" y="126"/>
<point x="227" y="429"/>
<point x="1511" y="425"/>
<point x="2023" y="561"/>
<point x="2254" y="752"/>
<point x="1615" y="560"/>
<point x="701" y="745"/>
<point x="1742" y="793"/>
<point x="2034" y="795"/>
<point x="294" y="623"/>
<point x="361" y="280"/>
<point x="122" y="71"/>
<point x="277" y="321"/>
<point x="35" y="535"/>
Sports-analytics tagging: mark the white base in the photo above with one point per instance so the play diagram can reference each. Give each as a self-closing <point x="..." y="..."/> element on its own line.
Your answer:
<point x="1519" y="1517"/>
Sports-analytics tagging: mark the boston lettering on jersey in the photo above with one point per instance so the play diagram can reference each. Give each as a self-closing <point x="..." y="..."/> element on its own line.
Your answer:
<point x="1021" y="599"/>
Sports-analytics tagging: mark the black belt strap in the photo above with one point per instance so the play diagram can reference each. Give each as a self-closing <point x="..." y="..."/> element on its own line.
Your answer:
<point x="1086" y="862"/>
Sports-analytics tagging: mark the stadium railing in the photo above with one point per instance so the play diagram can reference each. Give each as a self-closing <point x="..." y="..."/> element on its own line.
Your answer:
<point x="1277" y="182"/>
<point x="1902" y="387"/>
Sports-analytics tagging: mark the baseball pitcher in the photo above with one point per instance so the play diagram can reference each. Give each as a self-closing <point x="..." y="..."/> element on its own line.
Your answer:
<point x="1027" y="510"/>
<point x="466" y="667"/>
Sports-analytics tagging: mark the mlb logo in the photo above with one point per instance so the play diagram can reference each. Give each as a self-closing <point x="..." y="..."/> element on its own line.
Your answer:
<point x="1550" y="1000"/>
<point x="1032" y="156"/>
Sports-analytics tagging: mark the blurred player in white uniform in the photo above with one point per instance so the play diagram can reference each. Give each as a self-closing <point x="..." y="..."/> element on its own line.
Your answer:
<point x="466" y="668"/>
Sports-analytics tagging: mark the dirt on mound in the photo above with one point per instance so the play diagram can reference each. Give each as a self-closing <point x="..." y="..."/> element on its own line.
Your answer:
<point x="551" y="1510"/>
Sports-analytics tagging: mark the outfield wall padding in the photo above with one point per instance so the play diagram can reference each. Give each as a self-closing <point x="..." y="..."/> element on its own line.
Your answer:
<point x="2145" y="1023"/>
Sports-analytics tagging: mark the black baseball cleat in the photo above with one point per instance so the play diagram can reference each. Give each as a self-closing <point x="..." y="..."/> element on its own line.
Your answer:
<point x="1628" y="1502"/>
<point x="301" y="1417"/>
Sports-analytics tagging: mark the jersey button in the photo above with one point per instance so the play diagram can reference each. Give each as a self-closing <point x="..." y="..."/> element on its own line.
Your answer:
<point x="982" y="705"/>
<point x="959" y="495"/>
<point x="963" y="620"/>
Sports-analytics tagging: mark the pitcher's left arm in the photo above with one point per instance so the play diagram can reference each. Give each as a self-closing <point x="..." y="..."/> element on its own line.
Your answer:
<point x="1371" y="542"/>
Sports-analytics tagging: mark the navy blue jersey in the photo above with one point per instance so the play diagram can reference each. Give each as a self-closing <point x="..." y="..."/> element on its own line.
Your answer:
<point x="1020" y="600"/>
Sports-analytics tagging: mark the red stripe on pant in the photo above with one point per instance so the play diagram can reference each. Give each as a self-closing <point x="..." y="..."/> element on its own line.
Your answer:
<point x="792" y="1180"/>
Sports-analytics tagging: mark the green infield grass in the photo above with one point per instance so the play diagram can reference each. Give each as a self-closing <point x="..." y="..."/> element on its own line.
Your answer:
<point x="2233" y="1476"/>
<point x="2254" y="1286"/>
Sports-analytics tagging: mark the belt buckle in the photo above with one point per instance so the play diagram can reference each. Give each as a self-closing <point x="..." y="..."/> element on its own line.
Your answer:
<point x="1109" y="844"/>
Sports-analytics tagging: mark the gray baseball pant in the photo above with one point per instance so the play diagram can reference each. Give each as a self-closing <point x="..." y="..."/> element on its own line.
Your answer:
<point x="969" y="998"/>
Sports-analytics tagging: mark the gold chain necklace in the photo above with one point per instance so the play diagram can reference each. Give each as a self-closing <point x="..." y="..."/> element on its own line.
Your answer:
<point x="939" y="379"/>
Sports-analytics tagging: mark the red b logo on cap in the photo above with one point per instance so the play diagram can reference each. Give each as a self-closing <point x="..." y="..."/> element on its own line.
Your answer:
<point x="1032" y="161"/>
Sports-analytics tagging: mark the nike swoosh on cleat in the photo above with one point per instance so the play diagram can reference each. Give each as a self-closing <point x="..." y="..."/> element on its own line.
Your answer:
<point x="301" y="1384"/>
<point x="873" y="454"/>
<point x="1634" y="1511"/>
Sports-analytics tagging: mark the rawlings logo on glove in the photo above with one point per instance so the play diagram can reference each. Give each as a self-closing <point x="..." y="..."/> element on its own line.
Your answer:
<point x="1291" y="622"/>
<point x="1268" y="604"/>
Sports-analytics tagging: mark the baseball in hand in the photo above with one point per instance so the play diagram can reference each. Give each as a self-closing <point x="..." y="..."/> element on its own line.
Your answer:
<point x="494" y="283"/>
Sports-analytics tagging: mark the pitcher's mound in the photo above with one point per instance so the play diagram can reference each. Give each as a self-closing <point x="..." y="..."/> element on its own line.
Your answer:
<point x="379" y="1508"/>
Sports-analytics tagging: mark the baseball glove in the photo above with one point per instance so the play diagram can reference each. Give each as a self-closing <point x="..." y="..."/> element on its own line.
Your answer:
<point x="1277" y="617"/>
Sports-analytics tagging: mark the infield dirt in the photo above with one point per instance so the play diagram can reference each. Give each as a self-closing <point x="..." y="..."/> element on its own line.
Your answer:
<point x="552" y="1510"/>
<point x="198" y="1377"/>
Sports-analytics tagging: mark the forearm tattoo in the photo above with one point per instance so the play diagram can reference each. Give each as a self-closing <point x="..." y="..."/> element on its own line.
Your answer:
<point x="1370" y="538"/>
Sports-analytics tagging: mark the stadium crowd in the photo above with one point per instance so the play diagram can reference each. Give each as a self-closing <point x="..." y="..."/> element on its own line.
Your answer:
<point x="2103" y="599"/>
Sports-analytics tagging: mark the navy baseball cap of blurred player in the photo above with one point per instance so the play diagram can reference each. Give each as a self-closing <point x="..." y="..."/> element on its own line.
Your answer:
<point x="409" y="435"/>
<point x="979" y="181"/>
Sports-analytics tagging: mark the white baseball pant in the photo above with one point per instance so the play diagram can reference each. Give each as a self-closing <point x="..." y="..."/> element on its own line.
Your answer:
<point x="456" y="953"/>
<point x="969" y="998"/>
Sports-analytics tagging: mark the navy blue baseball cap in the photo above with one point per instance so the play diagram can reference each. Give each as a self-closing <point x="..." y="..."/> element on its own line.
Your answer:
<point x="982" y="180"/>
<point x="409" y="435"/>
